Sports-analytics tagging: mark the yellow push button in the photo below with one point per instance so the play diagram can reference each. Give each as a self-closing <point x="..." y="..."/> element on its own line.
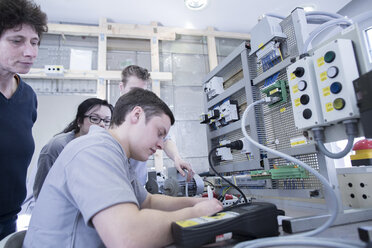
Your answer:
<point x="339" y="103"/>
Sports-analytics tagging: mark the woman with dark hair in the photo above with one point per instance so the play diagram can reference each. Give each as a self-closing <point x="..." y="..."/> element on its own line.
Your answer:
<point x="21" y="26"/>
<point x="92" y="111"/>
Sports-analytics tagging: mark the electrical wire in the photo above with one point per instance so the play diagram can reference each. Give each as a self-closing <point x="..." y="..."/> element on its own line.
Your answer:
<point x="321" y="28"/>
<point x="211" y="184"/>
<point x="317" y="19"/>
<point x="324" y="13"/>
<point x="267" y="242"/>
<point x="274" y="15"/>
<point x="308" y="241"/>
<point x="351" y="131"/>
<point x="214" y="170"/>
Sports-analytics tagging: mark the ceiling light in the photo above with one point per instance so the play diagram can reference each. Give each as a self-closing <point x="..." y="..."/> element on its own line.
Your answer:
<point x="196" y="4"/>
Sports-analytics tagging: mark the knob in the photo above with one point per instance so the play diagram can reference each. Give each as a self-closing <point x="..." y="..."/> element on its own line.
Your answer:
<point x="299" y="72"/>
<point x="307" y="113"/>
<point x="304" y="99"/>
<point x="336" y="87"/>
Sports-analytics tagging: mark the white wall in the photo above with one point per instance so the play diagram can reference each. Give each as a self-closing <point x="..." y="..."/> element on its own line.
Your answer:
<point x="54" y="113"/>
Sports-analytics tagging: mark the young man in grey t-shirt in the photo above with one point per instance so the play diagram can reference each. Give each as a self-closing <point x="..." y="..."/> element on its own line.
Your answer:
<point x="91" y="197"/>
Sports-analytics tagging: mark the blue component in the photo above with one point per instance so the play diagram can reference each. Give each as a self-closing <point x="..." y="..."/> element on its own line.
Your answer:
<point x="271" y="80"/>
<point x="336" y="87"/>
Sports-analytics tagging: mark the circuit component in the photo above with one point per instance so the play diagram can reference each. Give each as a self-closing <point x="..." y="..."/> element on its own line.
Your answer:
<point x="214" y="87"/>
<point x="282" y="172"/>
<point x="277" y="89"/>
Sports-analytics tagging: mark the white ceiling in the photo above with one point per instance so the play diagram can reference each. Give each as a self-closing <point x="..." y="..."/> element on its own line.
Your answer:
<point x="224" y="15"/>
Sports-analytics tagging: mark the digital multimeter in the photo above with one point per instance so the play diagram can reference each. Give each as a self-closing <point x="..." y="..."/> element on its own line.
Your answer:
<point x="248" y="221"/>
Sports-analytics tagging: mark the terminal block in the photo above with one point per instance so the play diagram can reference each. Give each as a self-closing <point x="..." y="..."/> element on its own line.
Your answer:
<point x="277" y="89"/>
<point x="281" y="172"/>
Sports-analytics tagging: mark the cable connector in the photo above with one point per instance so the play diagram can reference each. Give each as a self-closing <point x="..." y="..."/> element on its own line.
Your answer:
<point x="237" y="145"/>
<point x="271" y="99"/>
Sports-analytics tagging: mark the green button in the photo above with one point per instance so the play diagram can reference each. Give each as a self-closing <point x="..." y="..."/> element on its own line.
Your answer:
<point x="329" y="56"/>
<point x="339" y="103"/>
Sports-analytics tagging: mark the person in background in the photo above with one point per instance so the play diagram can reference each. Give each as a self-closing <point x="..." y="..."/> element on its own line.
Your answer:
<point x="92" y="197"/>
<point x="21" y="26"/>
<point x="134" y="76"/>
<point x="93" y="111"/>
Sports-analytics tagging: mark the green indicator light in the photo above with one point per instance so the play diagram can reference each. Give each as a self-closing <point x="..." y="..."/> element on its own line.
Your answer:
<point x="329" y="56"/>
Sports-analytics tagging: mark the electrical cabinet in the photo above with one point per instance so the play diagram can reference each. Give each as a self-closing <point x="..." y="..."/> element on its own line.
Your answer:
<point x="223" y="111"/>
<point x="249" y="75"/>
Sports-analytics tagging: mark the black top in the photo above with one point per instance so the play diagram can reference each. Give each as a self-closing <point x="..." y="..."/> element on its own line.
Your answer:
<point x="17" y="117"/>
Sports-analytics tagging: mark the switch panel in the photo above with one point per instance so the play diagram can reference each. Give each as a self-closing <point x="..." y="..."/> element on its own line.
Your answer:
<point x="304" y="94"/>
<point x="335" y="69"/>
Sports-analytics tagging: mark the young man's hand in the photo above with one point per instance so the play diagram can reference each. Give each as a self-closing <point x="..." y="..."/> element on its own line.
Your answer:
<point x="181" y="165"/>
<point x="208" y="207"/>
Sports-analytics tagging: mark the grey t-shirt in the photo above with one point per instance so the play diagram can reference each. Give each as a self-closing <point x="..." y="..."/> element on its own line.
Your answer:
<point x="48" y="156"/>
<point x="91" y="174"/>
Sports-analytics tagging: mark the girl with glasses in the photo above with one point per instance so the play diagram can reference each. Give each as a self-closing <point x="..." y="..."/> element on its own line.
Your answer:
<point x="92" y="111"/>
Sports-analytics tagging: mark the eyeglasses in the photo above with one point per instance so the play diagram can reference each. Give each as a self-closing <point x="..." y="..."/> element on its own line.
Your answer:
<point x="97" y="120"/>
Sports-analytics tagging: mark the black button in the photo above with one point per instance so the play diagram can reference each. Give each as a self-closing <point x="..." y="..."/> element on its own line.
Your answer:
<point x="299" y="72"/>
<point x="329" y="56"/>
<point x="304" y="99"/>
<point x="307" y="114"/>
<point x="336" y="87"/>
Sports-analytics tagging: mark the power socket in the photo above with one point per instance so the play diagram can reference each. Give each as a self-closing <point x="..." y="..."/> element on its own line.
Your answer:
<point x="54" y="70"/>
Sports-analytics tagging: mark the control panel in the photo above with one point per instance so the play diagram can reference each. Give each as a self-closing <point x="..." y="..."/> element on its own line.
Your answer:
<point x="335" y="69"/>
<point x="304" y="94"/>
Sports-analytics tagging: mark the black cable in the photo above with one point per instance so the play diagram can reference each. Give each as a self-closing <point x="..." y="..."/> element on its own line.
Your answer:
<point x="211" y="184"/>
<point x="218" y="174"/>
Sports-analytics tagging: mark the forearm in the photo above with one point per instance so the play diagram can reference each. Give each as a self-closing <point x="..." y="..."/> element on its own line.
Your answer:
<point x="158" y="225"/>
<point x="168" y="203"/>
<point x="171" y="150"/>
<point x="124" y="225"/>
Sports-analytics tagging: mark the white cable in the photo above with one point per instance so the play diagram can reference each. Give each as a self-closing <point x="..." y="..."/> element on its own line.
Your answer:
<point x="275" y="15"/>
<point x="323" y="27"/>
<point x="317" y="19"/>
<point x="324" y="13"/>
<point x="308" y="241"/>
<point x="327" y="185"/>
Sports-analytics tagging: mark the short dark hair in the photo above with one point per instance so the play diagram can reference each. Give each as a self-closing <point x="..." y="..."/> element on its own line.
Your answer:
<point x="151" y="104"/>
<point x="83" y="108"/>
<point x="134" y="70"/>
<point x="14" y="13"/>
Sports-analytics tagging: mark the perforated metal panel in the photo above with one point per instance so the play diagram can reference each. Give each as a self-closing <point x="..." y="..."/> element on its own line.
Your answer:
<point x="290" y="46"/>
<point x="232" y="136"/>
<point x="278" y="124"/>
<point x="308" y="183"/>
